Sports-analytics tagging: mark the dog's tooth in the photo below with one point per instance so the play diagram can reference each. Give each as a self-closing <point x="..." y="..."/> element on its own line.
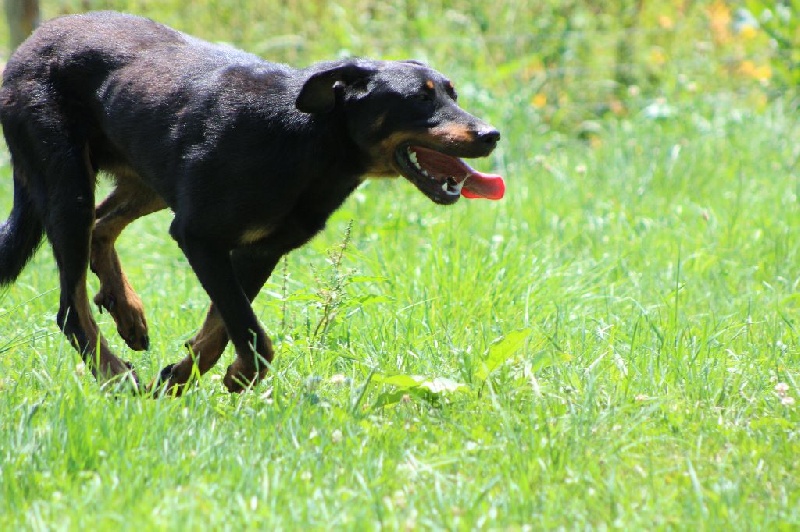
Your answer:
<point x="452" y="187"/>
<point x="413" y="156"/>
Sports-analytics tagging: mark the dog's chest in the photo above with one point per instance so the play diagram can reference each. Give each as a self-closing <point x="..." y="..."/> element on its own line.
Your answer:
<point x="254" y="234"/>
<point x="305" y="218"/>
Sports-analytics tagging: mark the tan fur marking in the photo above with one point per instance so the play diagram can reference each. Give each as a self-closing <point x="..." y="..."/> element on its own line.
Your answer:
<point x="383" y="155"/>
<point x="126" y="203"/>
<point x="430" y="85"/>
<point x="104" y="365"/>
<point x="440" y="137"/>
<point x="255" y="234"/>
<point x="205" y="349"/>
<point x="453" y="133"/>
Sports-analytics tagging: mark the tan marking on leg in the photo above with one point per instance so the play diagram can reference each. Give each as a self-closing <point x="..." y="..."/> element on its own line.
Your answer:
<point x="250" y="367"/>
<point x="104" y="365"/>
<point x="125" y="204"/>
<point x="205" y="349"/>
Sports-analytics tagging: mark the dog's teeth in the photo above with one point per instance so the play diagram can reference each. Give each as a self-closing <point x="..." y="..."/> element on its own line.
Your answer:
<point x="452" y="187"/>
<point x="412" y="156"/>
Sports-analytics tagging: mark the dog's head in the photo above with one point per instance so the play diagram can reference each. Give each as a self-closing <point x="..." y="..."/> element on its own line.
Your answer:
<point x="404" y="118"/>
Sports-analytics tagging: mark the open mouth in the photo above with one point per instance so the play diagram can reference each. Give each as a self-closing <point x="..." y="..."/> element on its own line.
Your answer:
<point x="444" y="178"/>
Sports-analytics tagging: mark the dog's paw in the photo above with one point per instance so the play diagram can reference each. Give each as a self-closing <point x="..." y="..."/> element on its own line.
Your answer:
<point x="238" y="380"/>
<point x="164" y="384"/>
<point x="164" y="375"/>
<point x="128" y="314"/>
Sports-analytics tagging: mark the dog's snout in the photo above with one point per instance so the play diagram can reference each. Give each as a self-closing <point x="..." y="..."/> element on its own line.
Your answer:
<point x="489" y="136"/>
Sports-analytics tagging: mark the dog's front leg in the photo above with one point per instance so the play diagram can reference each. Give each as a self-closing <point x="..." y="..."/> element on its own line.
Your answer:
<point x="212" y="264"/>
<point x="127" y="202"/>
<point x="252" y="267"/>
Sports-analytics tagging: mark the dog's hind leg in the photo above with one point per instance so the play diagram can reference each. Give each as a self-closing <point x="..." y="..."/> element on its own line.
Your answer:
<point x="127" y="202"/>
<point x="50" y="156"/>
<point x="68" y="225"/>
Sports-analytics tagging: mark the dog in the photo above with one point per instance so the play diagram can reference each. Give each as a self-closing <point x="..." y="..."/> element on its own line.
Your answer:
<point x="252" y="158"/>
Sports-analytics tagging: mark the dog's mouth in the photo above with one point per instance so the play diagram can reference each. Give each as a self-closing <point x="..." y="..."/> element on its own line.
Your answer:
<point x="444" y="178"/>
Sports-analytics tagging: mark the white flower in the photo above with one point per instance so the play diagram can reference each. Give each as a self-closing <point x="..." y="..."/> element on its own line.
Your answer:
<point x="338" y="379"/>
<point x="781" y="389"/>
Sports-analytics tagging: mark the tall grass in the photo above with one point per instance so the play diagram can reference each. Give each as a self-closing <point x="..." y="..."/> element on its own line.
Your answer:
<point x="614" y="344"/>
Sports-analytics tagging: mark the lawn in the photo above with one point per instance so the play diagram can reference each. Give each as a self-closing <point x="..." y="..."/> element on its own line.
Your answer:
<point x="614" y="344"/>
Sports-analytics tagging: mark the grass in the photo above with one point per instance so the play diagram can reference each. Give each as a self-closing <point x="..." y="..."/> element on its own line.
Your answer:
<point x="615" y="344"/>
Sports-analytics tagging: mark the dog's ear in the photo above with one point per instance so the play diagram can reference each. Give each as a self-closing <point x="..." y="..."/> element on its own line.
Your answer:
<point x="319" y="92"/>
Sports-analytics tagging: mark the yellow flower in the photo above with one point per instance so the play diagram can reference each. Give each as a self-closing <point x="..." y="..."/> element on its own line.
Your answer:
<point x="759" y="72"/>
<point x="763" y="73"/>
<point x="657" y="56"/>
<point x="748" y="32"/>
<point x="539" y="101"/>
<point x="719" y="17"/>
<point x="747" y="68"/>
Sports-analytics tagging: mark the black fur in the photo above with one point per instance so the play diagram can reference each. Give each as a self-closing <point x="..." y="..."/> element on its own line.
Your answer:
<point x="252" y="157"/>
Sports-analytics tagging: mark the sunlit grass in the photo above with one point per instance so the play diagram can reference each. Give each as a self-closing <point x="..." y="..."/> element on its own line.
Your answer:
<point x="612" y="345"/>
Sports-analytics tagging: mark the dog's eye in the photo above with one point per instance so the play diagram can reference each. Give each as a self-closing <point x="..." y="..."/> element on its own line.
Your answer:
<point x="360" y="85"/>
<point x="425" y="95"/>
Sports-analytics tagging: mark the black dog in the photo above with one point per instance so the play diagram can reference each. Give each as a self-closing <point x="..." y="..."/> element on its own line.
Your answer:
<point x="251" y="156"/>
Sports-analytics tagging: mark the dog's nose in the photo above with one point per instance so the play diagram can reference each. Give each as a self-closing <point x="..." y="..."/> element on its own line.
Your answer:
<point x="489" y="136"/>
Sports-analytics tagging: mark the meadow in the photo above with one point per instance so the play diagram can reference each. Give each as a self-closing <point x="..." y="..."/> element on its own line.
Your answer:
<point x="613" y="345"/>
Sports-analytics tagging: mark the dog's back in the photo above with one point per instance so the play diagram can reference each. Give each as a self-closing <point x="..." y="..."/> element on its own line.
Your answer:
<point x="82" y="48"/>
<point x="137" y="93"/>
<point x="85" y="56"/>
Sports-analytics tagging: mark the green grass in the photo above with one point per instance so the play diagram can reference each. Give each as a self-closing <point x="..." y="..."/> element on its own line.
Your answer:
<point x="602" y="348"/>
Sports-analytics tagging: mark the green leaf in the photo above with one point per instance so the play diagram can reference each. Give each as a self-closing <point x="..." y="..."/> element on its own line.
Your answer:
<point x="541" y="361"/>
<point x="431" y="390"/>
<point x="400" y="381"/>
<point x="389" y="398"/>
<point x="500" y="352"/>
<point x="441" y="385"/>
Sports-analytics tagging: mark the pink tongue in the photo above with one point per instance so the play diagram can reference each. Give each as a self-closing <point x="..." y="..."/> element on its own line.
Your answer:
<point x="480" y="185"/>
<point x="476" y="184"/>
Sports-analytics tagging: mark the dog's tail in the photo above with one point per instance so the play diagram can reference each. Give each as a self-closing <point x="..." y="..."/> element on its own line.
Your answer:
<point x="20" y="235"/>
